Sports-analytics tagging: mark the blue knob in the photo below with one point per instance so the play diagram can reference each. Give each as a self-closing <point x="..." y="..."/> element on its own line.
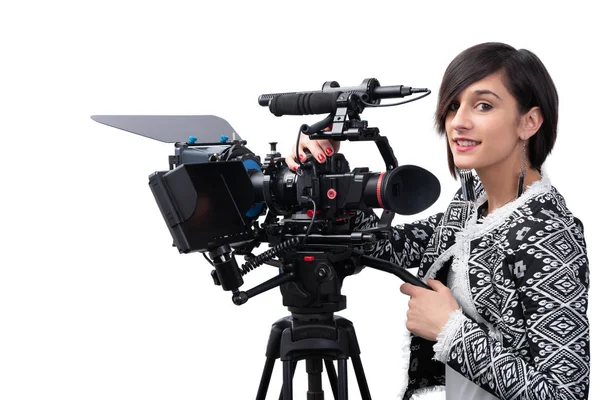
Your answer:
<point x="192" y="139"/>
<point x="224" y="139"/>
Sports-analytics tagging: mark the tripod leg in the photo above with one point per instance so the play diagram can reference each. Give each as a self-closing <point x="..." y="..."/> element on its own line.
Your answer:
<point x="342" y="379"/>
<point x="293" y="372"/>
<point x="272" y="354"/>
<point x="263" y="387"/>
<point x="288" y="375"/>
<point x="361" y="378"/>
<point x="314" y="368"/>
<point x="332" y="378"/>
<point x="354" y="353"/>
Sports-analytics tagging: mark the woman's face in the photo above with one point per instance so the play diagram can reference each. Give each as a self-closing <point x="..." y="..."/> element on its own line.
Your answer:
<point x="482" y="126"/>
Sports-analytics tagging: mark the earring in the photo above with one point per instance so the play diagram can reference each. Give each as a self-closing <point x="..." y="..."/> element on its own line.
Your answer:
<point x="467" y="184"/>
<point x="523" y="170"/>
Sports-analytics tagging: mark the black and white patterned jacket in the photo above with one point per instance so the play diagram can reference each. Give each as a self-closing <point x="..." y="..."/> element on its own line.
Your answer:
<point x="523" y="331"/>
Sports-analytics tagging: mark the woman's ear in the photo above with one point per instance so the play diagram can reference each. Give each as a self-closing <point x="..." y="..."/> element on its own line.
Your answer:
<point x="531" y="123"/>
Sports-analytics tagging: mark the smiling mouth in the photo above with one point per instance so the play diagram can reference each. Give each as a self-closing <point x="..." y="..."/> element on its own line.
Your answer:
<point x="466" y="143"/>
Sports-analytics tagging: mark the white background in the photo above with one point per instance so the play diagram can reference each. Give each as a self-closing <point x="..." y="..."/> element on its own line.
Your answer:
<point x="94" y="301"/>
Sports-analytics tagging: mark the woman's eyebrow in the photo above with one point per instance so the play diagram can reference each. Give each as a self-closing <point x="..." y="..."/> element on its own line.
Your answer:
<point x="486" y="91"/>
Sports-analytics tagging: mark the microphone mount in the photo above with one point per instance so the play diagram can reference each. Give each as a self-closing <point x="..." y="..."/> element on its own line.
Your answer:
<point x="344" y="106"/>
<point x="346" y="124"/>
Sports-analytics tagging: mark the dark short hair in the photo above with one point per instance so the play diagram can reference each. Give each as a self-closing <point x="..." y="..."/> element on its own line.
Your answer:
<point x="525" y="77"/>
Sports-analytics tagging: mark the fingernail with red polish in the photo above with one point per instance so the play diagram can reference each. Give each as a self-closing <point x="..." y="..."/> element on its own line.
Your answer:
<point x="329" y="151"/>
<point x="295" y="167"/>
<point x="321" y="157"/>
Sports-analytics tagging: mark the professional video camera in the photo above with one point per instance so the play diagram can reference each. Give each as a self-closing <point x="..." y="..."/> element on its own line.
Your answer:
<point x="216" y="191"/>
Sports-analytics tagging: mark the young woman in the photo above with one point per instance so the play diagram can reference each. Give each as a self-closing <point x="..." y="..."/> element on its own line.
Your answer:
<point x="507" y="259"/>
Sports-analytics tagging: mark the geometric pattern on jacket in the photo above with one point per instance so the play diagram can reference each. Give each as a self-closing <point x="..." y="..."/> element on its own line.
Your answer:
<point x="522" y="331"/>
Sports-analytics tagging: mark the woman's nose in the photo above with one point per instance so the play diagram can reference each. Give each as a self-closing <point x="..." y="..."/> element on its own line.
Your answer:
<point x="461" y="120"/>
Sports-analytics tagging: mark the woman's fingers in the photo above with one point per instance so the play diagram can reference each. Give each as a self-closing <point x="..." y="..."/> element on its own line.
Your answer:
<point x="291" y="162"/>
<point x="319" y="149"/>
<point x="291" y="159"/>
<point x="316" y="149"/>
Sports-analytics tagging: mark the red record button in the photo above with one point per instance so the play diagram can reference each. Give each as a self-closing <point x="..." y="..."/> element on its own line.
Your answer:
<point x="331" y="193"/>
<point x="309" y="258"/>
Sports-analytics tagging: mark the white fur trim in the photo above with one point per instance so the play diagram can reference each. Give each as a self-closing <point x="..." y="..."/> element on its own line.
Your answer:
<point x="446" y="336"/>
<point x="422" y="393"/>
<point x="439" y="263"/>
<point x="404" y="356"/>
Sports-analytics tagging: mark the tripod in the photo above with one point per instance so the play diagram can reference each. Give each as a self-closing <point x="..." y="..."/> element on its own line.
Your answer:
<point x="310" y="284"/>
<point x="314" y="338"/>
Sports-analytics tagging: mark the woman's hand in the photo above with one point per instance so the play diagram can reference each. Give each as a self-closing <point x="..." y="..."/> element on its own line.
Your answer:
<point x="320" y="150"/>
<point x="428" y="310"/>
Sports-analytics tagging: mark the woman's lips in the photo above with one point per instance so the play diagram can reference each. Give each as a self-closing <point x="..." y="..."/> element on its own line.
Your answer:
<point x="466" y="145"/>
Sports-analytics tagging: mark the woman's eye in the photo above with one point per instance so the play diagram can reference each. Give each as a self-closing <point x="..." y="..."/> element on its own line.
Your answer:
<point x="453" y="106"/>
<point x="484" y="107"/>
